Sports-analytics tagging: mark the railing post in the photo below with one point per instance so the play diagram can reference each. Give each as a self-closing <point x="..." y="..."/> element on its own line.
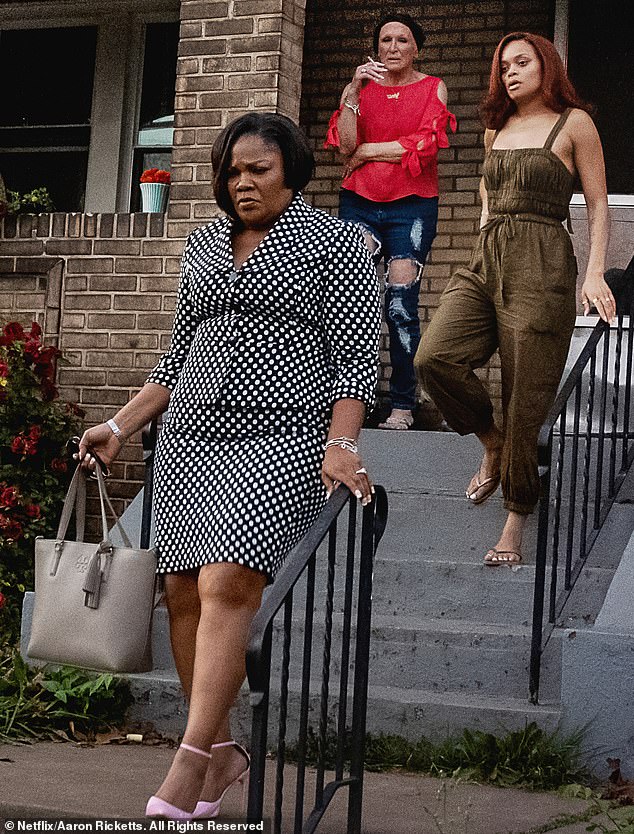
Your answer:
<point x="540" y="571"/>
<point x="361" y="671"/>
<point x="149" y="446"/>
<point x="260" y="718"/>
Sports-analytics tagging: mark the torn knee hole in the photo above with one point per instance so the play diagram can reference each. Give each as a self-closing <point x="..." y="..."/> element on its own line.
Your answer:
<point x="403" y="272"/>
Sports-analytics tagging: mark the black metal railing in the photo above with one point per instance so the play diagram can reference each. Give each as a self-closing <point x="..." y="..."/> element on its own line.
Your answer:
<point x="310" y="663"/>
<point x="586" y="447"/>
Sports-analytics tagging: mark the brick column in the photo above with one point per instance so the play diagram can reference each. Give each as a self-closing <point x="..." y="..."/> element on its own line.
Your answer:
<point x="234" y="56"/>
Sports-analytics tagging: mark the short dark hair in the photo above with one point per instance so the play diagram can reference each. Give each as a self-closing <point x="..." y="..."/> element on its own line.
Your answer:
<point x="415" y="28"/>
<point x="273" y="129"/>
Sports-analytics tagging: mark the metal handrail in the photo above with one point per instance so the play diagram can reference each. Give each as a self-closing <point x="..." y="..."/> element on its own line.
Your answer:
<point x="580" y="525"/>
<point x="301" y="562"/>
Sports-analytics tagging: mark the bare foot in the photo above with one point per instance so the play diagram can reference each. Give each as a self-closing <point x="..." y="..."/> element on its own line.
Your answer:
<point x="183" y="783"/>
<point x="227" y="764"/>
<point x="400" y="419"/>
<point x="487" y="478"/>
<point x="508" y="550"/>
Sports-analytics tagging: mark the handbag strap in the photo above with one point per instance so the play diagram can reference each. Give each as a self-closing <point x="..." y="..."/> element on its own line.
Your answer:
<point x="104" y="500"/>
<point x="76" y="500"/>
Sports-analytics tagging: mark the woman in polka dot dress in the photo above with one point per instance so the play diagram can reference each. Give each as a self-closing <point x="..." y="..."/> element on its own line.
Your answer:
<point x="273" y="359"/>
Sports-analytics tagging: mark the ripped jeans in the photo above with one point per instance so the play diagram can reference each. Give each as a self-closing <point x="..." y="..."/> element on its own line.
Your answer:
<point x="401" y="230"/>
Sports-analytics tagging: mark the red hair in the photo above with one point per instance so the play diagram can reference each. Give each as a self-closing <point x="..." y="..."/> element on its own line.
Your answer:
<point x="496" y="106"/>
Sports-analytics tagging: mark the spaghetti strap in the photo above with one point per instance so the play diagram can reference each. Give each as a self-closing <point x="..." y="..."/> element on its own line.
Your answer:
<point x="561" y="121"/>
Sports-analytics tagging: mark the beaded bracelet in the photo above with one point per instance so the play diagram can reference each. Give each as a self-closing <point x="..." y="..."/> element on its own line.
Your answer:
<point x="347" y="443"/>
<point x="352" y="106"/>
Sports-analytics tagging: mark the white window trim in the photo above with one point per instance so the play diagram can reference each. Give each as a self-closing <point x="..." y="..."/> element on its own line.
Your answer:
<point x="117" y="88"/>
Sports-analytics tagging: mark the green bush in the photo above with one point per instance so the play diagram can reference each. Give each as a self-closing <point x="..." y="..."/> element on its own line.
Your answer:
<point x="45" y="702"/>
<point x="31" y="202"/>
<point x="530" y="757"/>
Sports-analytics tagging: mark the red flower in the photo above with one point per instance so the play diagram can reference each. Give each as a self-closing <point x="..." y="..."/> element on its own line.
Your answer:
<point x="13" y="332"/>
<point x="35" y="432"/>
<point x="59" y="465"/>
<point x="9" y="496"/>
<point x="45" y="363"/>
<point x="36" y="331"/>
<point x="3" y="600"/>
<point x="10" y="529"/>
<point x="4" y="369"/>
<point x="156" y="175"/>
<point x="31" y="351"/>
<point x="33" y="510"/>
<point x="18" y="444"/>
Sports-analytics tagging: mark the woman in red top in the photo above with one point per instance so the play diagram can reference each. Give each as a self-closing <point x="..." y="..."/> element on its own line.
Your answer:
<point x="390" y="123"/>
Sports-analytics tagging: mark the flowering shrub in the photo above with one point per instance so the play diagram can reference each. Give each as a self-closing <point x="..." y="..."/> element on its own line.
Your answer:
<point x="34" y="470"/>
<point x="156" y="175"/>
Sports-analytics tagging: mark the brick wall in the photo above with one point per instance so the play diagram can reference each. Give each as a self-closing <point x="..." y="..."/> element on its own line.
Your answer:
<point x="461" y="37"/>
<point x="103" y="288"/>
<point x="234" y="57"/>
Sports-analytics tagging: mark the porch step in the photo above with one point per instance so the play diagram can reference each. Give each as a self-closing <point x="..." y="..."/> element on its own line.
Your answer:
<point x="410" y="713"/>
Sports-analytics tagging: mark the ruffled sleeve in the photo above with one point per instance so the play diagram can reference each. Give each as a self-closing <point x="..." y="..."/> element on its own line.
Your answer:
<point x="332" y="137"/>
<point x="432" y="134"/>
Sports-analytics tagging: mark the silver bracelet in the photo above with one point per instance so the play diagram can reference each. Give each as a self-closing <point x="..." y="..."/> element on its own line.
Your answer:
<point x="115" y="430"/>
<point x="347" y="443"/>
<point x="352" y="106"/>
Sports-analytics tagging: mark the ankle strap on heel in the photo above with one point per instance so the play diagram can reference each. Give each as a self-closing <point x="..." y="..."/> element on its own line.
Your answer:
<point x="195" y="750"/>
<point x="235" y="744"/>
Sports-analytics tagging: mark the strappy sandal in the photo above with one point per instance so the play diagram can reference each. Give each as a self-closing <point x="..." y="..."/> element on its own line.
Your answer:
<point x="501" y="557"/>
<point x="491" y="485"/>
<point x="398" y="423"/>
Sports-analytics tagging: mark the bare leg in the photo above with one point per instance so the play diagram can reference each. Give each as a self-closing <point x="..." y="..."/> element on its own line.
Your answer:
<point x="493" y="441"/>
<point x="509" y="547"/>
<point x="229" y="596"/>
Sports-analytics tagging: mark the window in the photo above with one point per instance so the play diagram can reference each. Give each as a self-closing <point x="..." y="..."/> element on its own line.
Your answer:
<point x="154" y="136"/>
<point x="46" y="93"/>
<point x="87" y="98"/>
<point x="600" y="55"/>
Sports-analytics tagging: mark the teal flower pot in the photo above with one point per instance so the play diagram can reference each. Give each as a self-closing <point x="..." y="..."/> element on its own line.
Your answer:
<point x="154" y="196"/>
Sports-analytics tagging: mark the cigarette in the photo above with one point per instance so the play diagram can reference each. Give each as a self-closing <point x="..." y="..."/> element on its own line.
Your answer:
<point x="370" y="58"/>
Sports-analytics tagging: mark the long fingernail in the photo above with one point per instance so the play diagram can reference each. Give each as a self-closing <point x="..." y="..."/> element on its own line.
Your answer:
<point x="366" y="501"/>
<point x="357" y="493"/>
<point x="372" y="490"/>
<point x="328" y="493"/>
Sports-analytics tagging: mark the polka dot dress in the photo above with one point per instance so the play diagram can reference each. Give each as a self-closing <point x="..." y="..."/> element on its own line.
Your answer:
<point x="258" y="357"/>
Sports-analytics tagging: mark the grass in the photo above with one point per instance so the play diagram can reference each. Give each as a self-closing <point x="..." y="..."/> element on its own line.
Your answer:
<point x="64" y="701"/>
<point x="528" y="758"/>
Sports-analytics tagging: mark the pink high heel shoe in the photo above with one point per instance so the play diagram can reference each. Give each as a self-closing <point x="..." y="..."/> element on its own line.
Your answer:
<point x="209" y="810"/>
<point x="157" y="807"/>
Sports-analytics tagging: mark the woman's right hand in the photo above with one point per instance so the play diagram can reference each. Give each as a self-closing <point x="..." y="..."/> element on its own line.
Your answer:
<point x="370" y="71"/>
<point x="101" y="440"/>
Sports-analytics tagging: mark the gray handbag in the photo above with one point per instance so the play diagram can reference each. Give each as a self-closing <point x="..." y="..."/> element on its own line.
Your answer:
<point x="93" y="603"/>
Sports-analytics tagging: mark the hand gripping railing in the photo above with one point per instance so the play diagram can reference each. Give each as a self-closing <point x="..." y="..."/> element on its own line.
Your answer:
<point x="302" y="563"/>
<point x="579" y="482"/>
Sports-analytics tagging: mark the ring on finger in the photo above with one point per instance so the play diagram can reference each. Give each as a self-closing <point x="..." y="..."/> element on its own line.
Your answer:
<point x="362" y="471"/>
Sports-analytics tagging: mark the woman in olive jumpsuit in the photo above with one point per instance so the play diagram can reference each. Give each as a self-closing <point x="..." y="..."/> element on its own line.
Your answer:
<point x="518" y="293"/>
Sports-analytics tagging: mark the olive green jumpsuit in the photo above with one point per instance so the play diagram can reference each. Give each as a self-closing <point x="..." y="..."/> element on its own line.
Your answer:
<point x="518" y="296"/>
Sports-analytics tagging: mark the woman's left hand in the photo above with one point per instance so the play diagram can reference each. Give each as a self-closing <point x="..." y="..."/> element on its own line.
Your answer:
<point x="341" y="466"/>
<point x="596" y="293"/>
<point x="355" y="161"/>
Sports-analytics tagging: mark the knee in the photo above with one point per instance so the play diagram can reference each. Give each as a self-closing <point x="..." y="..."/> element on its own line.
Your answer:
<point x="426" y="361"/>
<point x="231" y="586"/>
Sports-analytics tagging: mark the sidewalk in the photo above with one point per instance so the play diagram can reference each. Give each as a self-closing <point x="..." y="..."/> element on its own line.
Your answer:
<point x="48" y="780"/>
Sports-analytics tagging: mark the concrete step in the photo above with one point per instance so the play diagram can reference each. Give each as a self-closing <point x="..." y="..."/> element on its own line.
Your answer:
<point x="411" y="713"/>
